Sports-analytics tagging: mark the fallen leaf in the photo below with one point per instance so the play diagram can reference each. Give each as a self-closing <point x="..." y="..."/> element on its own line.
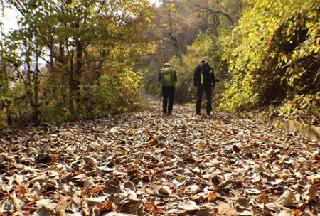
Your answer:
<point x="97" y="200"/>
<point x="189" y="206"/>
<point x="165" y="190"/>
<point x="212" y="196"/>
<point x="97" y="189"/>
<point x="288" y="199"/>
<point x="106" y="207"/>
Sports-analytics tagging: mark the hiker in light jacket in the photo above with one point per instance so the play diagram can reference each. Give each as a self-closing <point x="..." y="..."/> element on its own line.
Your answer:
<point x="167" y="79"/>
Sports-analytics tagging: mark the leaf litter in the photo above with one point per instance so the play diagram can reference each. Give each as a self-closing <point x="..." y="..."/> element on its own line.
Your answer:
<point x="148" y="164"/>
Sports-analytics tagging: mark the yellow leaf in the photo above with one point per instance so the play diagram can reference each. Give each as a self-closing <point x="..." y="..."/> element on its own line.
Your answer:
<point x="285" y="58"/>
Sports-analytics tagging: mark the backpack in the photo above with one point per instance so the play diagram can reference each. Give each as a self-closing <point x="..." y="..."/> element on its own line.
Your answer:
<point x="167" y="76"/>
<point x="207" y="76"/>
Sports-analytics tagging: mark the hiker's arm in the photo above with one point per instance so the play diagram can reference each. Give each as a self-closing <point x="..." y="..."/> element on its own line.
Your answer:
<point x="195" y="77"/>
<point x="213" y="77"/>
<point x="175" y="76"/>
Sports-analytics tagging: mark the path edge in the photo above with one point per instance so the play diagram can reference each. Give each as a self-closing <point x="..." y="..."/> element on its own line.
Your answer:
<point x="308" y="131"/>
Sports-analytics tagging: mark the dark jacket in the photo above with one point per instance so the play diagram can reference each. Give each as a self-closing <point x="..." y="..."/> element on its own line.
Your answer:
<point x="204" y="76"/>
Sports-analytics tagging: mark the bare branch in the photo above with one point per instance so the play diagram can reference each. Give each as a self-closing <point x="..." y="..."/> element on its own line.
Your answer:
<point x="218" y="12"/>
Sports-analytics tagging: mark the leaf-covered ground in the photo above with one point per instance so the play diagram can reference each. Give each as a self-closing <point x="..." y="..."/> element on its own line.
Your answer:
<point x="148" y="164"/>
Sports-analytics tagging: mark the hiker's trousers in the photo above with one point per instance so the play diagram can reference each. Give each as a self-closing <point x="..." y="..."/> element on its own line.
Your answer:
<point x="208" y="92"/>
<point x="168" y="96"/>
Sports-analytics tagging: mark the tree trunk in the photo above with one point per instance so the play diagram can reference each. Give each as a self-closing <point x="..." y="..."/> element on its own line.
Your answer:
<point x="5" y="85"/>
<point x="103" y="55"/>
<point x="51" y="63"/>
<point x="36" y="104"/>
<point x="28" y="82"/>
<point x="77" y="74"/>
<point x="75" y="87"/>
<point x="71" y="86"/>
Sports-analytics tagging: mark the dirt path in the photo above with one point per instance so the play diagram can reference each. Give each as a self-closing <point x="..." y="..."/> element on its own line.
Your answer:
<point x="145" y="163"/>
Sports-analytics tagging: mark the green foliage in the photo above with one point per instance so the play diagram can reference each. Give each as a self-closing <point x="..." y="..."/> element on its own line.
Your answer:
<point x="273" y="53"/>
<point x="114" y="94"/>
<point x="90" y="49"/>
<point x="300" y="105"/>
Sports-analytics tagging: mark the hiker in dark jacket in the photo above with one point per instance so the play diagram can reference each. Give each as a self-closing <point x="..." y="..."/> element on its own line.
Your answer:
<point x="204" y="81"/>
<point x="167" y="79"/>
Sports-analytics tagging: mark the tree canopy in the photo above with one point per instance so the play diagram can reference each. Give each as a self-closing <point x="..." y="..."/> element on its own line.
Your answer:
<point x="72" y="59"/>
<point x="273" y="54"/>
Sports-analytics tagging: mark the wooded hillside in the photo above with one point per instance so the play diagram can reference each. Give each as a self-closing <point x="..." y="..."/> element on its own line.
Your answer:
<point x="266" y="52"/>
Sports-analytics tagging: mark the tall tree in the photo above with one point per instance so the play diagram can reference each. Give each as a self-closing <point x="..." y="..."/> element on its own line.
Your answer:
<point x="76" y="39"/>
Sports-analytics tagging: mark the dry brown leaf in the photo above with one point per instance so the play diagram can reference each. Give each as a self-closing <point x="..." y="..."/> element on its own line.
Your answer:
<point x="97" y="189"/>
<point x="212" y="196"/>
<point x="153" y="142"/>
<point x="151" y="207"/>
<point x="165" y="190"/>
<point x="106" y="207"/>
<point x="128" y="156"/>
<point x="263" y="198"/>
<point x="296" y="213"/>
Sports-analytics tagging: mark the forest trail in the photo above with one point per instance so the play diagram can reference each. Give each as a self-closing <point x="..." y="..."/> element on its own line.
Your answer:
<point x="144" y="163"/>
